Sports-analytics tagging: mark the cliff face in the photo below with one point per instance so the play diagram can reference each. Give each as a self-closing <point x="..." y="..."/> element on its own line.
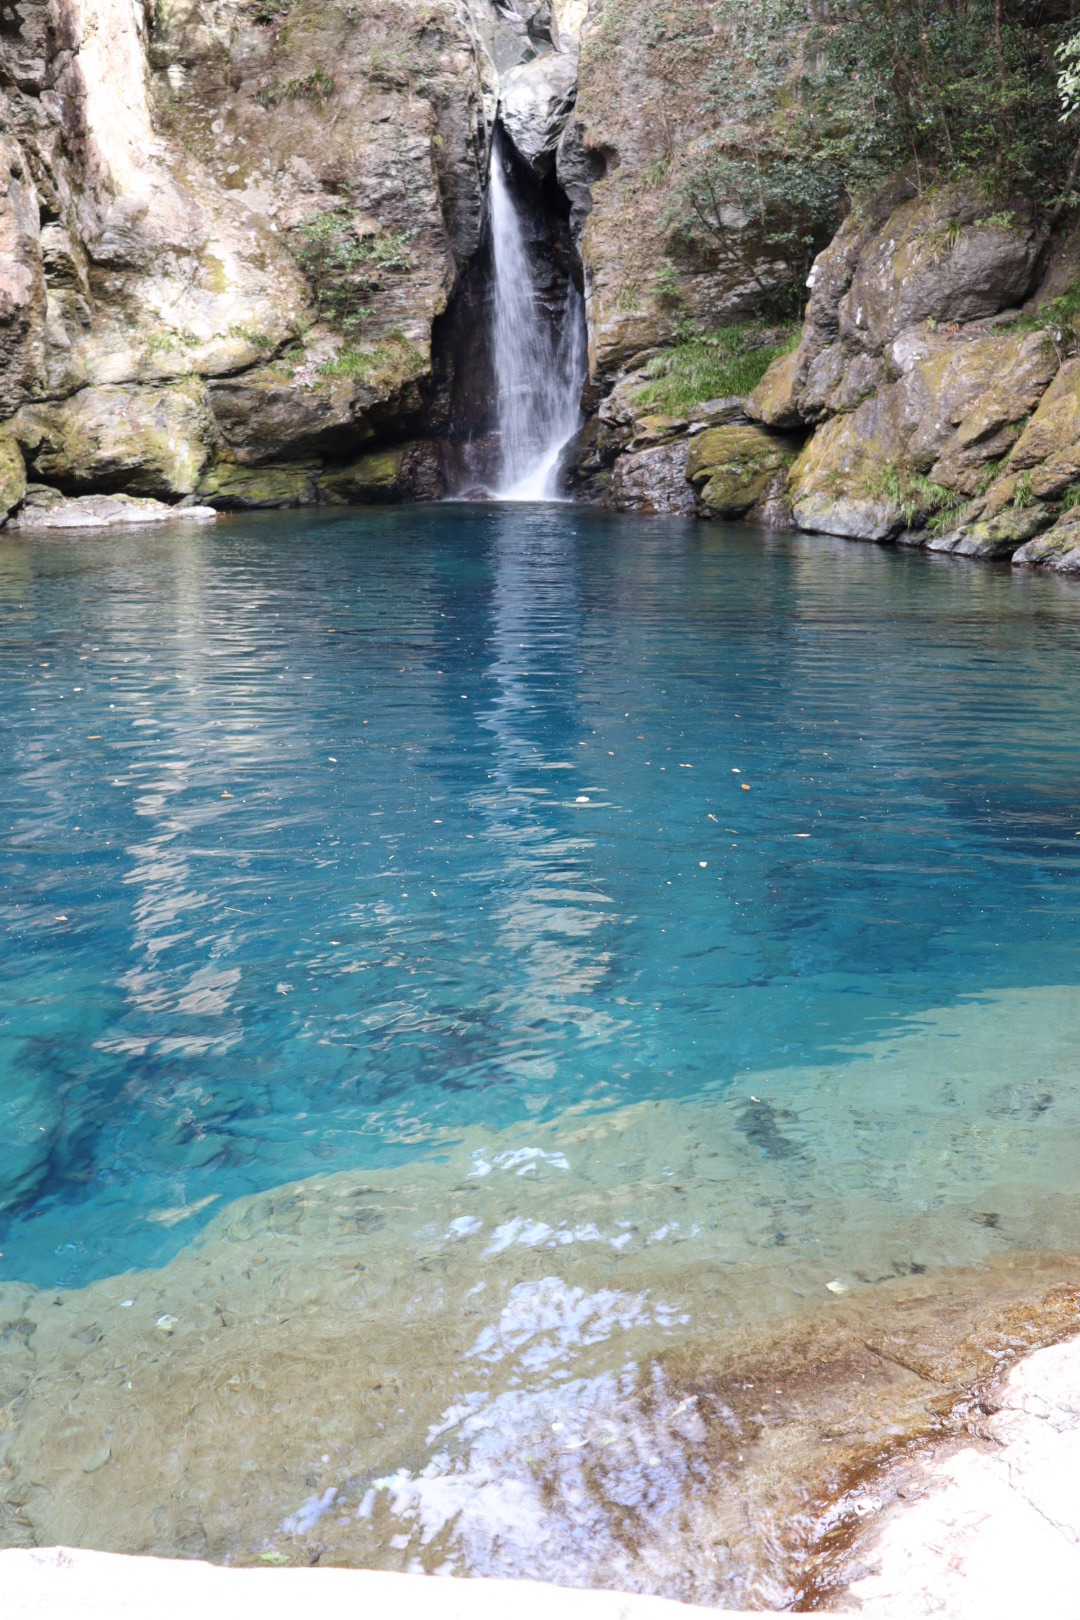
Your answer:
<point x="242" y="261"/>
<point x="932" y="398"/>
<point x="226" y="229"/>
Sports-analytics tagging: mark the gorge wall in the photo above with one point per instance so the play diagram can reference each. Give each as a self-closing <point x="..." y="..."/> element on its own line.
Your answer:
<point x="242" y="262"/>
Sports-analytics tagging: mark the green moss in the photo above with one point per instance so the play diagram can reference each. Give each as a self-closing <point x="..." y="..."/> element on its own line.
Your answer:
<point x="286" y="484"/>
<point x="714" y="365"/>
<point x="371" y="478"/>
<point x="12" y="477"/>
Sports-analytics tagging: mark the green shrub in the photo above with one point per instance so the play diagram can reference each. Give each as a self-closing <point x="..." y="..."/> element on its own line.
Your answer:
<point x="388" y="361"/>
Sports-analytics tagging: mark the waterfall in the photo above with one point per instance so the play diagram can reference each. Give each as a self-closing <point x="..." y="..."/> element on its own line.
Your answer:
<point x="539" y="365"/>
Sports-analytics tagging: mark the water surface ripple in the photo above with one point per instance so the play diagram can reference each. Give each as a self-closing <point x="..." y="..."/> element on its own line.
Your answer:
<point x="324" y="836"/>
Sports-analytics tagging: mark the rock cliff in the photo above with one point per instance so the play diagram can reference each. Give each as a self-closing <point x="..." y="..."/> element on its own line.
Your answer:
<point x="228" y="229"/>
<point x="932" y="398"/>
<point x="242" y="262"/>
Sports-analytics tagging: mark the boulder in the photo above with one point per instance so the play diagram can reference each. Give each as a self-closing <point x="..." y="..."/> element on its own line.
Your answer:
<point x="945" y="256"/>
<point x="147" y="441"/>
<point x="1057" y="549"/>
<point x="651" y="481"/>
<point x="47" y="508"/>
<point x="992" y="537"/>
<point x="835" y="484"/>
<point x="776" y="399"/>
<point x="735" y="467"/>
<point x="536" y="101"/>
<point x="903" y="264"/>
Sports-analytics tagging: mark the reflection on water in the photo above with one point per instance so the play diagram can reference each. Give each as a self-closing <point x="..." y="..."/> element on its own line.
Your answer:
<point x="326" y="835"/>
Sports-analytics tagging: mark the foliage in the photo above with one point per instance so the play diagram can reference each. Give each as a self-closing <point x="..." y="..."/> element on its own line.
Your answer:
<point x="919" y="498"/>
<point x="814" y="105"/>
<point x="712" y="365"/>
<point x="1071" y="498"/>
<point x="344" y="268"/>
<point x="1023" y="494"/>
<point x="1057" y="320"/>
<point x="268" y="11"/>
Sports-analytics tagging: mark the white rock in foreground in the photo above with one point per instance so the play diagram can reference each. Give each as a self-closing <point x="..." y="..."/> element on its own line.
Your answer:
<point x="997" y="1531"/>
<point x="48" y="509"/>
<point x="60" y="1583"/>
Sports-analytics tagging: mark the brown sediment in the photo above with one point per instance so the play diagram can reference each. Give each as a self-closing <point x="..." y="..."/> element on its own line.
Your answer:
<point x="832" y="1409"/>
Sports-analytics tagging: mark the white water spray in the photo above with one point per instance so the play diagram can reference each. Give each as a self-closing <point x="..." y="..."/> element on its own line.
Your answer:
<point x="538" y="372"/>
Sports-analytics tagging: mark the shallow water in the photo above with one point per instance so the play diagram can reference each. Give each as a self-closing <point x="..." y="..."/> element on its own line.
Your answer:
<point x="670" y="925"/>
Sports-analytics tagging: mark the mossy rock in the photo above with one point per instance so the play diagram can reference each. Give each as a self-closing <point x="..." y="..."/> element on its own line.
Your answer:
<point x="773" y="401"/>
<point x="1055" y="425"/>
<point x="12" y="477"/>
<point x="735" y="466"/>
<point x="372" y="478"/>
<point x="998" y="536"/>
<point x="283" y="484"/>
<point x="833" y="483"/>
<point x="1058" y="548"/>
<point x="147" y="441"/>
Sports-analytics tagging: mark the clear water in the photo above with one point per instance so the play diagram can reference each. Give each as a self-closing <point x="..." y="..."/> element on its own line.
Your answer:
<point x="323" y="834"/>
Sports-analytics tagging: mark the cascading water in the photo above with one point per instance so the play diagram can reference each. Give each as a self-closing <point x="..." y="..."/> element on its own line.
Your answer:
<point x="539" y="364"/>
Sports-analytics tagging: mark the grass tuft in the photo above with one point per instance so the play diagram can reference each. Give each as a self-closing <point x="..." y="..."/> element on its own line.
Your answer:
<point x="725" y="363"/>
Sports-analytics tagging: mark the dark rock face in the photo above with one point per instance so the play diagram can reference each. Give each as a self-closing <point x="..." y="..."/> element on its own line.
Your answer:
<point x="652" y="481"/>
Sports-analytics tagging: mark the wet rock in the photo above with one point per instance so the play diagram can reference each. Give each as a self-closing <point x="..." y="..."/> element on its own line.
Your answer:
<point x="411" y="472"/>
<point x="46" y="508"/>
<point x="651" y="481"/>
<point x="1058" y="549"/>
<point x="536" y="101"/>
<point x="577" y="168"/>
<point x="996" y="536"/>
<point x="734" y="467"/>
